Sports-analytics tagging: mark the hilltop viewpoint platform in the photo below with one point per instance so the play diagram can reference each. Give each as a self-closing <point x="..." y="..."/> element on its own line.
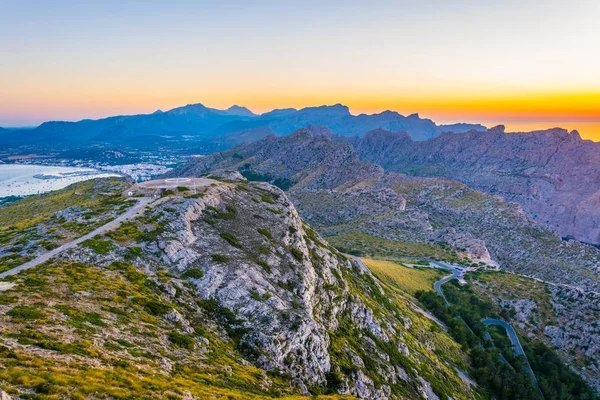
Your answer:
<point x="156" y="187"/>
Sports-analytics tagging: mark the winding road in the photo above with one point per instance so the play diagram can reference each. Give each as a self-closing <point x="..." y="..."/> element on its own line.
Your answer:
<point x="512" y="335"/>
<point x="456" y="274"/>
<point x="130" y="213"/>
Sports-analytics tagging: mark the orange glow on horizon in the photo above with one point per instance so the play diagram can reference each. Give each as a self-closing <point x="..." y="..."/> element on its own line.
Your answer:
<point x="572" y="111"/>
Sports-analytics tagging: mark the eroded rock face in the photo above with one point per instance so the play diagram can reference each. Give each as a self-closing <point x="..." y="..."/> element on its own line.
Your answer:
<point x="577" y="326"/>
<point x="294" y="305"/>
<point x="553" y="174"/>
<point x="474" y="247"/>
<point x="338" y="193"/>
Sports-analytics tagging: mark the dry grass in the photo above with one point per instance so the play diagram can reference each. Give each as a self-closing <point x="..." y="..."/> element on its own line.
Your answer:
<point x="409" y="280"/>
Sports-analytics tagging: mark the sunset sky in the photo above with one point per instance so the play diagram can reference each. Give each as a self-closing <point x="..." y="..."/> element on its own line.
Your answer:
<point x="527" y="64"/>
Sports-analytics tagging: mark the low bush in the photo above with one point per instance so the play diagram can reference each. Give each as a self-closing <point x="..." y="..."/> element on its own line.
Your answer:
<point x="231" y="239"/>
<point x="194" y="273"/>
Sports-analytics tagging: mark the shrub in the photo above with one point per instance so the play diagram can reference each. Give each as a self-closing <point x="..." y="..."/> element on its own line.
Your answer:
<point x="135" y="252"/>
<point x="219" y="258"/>
<point x="254" y="294"/>
<point x="231" y="239"/>
<point x="274" y="210"/>
<point x="229" y="212"/>
<point x="194" y="273"/>
<point x="99" y="246"/>
<point x="183" y="188"/>
<point x="263" y="250"/>
<point x="264" y="265"/>
<point x="152" y="307"/>
<point x="297" y="254"/>
<point x="265" y="232"/>
<point x="167" y="192"/>
<point x="181" y="340"/>
<point x="267" y="199"/>
<point x="26" y="312"/>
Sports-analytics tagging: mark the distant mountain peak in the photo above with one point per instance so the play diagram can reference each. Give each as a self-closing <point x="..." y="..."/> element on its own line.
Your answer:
<point x="240" y="110"/>
<point x="334" y="110"/>
<point x="497" y="129"/>
<point x="195" y="108"/>
<point x="279" y="112"/>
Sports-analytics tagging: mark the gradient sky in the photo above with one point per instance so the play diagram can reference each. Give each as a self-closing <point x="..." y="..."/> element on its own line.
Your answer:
<point x="527" y="63"/>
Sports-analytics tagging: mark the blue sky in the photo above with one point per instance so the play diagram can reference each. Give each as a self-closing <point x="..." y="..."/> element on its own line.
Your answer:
<point x="79" y="59"/>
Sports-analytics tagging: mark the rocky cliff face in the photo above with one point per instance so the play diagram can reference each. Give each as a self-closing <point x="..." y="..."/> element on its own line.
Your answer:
<point x="553" y="174"/>
<point x="306" y="158"/>
<point x="335" y="189"/>
<point x="226" y="291"/>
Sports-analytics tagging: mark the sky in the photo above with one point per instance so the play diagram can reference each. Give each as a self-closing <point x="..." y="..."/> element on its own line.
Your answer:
<point x="528" y="64"/>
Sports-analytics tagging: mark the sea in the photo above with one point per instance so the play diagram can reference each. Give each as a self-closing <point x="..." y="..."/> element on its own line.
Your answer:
<point x="24" y="180"/>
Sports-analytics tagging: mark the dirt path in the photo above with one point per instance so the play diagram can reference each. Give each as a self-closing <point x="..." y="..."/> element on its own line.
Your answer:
<point x="131" y="213"/>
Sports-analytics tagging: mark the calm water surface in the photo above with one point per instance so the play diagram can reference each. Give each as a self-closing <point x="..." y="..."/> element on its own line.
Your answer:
<point x="22" y="180"/>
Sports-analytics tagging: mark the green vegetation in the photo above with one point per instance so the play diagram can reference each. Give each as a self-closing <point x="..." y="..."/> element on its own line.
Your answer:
<point x="231" y="239"/>
<point x="264" y="265"/>
<point x="44" y="222"/>
<point x="183" y="188"/>
<point x="556" y="380"/>
<point x="408" y="280"/>
<point x="363" y="245"/>
<point x="219" y="258"/>
<point x="11" y="261"/>
<point x="265" y="232"/>
<point x="181" y="340"/>
<point x="26" y="313"/>
<point x="194" y="273"/>
<point x="228" y="213"/>
<point x="298" y="255"/>
<point x="282" y="183"/>
<point x="274" y="210"/>
<point x="505" y="379"/>
<point x="267" y="199"/>
<point x="99" y="246"/>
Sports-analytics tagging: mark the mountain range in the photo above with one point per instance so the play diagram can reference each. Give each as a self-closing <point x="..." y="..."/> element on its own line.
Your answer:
<point x="199" y="123"/>
<point x="356" y="204"/>
<point x="553" y="174"/>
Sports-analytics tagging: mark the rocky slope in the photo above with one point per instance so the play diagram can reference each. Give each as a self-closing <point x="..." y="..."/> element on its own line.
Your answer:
<point x="227" y="292"/>
<point x="340" y="194"/>
<point x="553" y="174"/>
<point x="394" y="215"/>
<point x="562" y="317"/>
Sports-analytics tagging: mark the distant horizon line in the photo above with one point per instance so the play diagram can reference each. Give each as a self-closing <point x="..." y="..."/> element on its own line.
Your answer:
<point x="527" y="124"/>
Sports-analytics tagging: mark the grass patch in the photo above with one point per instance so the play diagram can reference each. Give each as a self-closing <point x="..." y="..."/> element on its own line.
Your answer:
<point x="219" y="258"/>
<point x="409" y="280"/>
<point x="298" y="255"/>
<point x="231" y="239"/>
<point x="26" y="313"/>
<point x="99" y="246"/>
<point x="265" y="232"/>
<point x="194" y="273"/>
<point x="267" y="199"/>
<point x="181" y="340"/>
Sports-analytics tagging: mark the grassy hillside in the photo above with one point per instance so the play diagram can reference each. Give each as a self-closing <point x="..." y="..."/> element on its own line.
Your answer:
<point x="408" y="280"/>
<point x="226" y="294"/>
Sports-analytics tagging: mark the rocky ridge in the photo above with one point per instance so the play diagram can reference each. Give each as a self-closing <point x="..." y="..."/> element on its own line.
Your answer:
<point x="553" y="174"/>
<point x="232" y="268"/>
